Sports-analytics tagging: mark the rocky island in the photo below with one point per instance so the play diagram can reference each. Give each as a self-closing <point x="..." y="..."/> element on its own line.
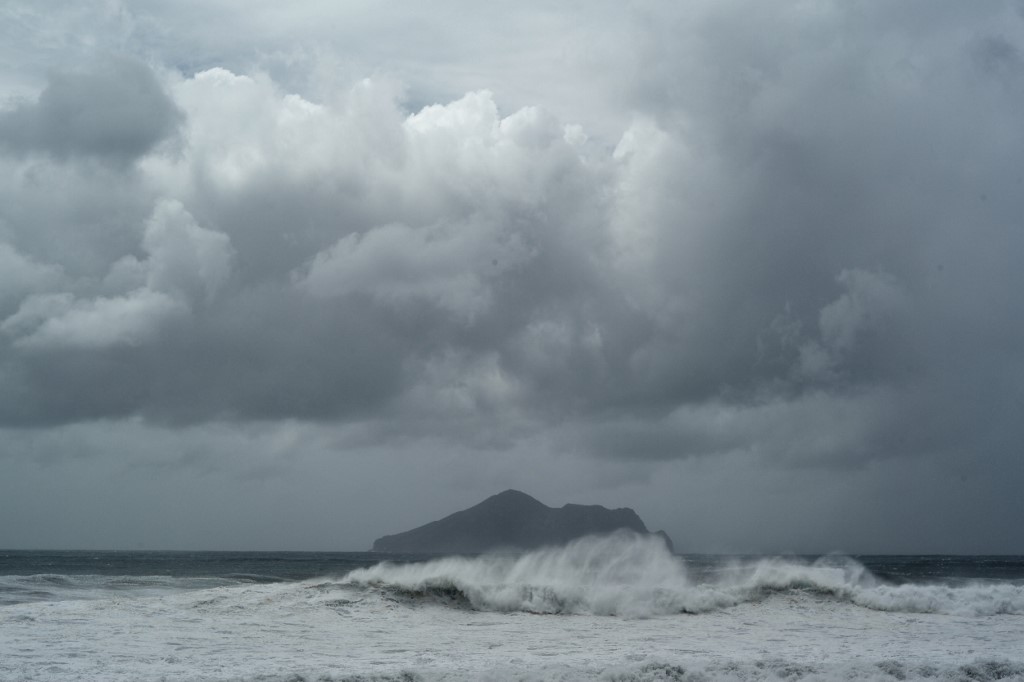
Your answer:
<point x="512" y="520"/>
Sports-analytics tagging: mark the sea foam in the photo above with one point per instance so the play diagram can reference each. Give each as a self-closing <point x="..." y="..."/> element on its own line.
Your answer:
<point x="631" y="575"/>
<point x="754" y="621"/>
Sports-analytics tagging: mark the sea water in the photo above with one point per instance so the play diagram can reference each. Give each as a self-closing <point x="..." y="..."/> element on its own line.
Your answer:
<point x="618" y="608"/>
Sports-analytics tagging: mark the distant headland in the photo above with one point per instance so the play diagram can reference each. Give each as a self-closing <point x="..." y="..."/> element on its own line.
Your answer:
<point x="512" y="520"/>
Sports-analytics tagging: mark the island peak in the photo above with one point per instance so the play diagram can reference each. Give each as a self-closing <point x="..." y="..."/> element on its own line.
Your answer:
<point x="512" y="520"/>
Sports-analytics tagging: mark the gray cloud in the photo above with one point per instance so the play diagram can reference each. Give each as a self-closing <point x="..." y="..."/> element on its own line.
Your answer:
<point x="731" y="244"/>
<point x="116" y="110"/>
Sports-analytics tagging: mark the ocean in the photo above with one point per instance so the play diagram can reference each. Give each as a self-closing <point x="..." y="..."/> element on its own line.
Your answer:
<point x="619" y="608"/>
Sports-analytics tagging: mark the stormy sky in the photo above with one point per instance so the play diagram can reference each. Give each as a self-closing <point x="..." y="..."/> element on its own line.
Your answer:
<point x="298" y="275"/>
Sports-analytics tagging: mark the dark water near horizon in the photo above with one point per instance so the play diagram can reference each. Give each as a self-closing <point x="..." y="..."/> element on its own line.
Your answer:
<point x="267" y="567"/>
<point x="257" y="566"/>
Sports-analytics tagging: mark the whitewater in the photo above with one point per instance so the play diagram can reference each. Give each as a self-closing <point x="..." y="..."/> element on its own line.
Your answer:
<point x="618" y="608"/>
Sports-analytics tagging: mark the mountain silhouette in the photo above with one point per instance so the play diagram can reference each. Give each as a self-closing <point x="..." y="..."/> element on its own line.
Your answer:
<point x="512" y="520"/>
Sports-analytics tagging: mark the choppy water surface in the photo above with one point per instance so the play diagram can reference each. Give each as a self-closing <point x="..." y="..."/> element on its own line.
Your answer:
<point x="616" y="608"/>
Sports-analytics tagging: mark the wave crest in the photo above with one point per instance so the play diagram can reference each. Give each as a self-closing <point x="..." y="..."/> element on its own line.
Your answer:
<point x="631" y="575"/>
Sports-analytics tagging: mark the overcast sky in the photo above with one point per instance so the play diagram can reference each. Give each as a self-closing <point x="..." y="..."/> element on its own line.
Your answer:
<point x="297" y="275"/>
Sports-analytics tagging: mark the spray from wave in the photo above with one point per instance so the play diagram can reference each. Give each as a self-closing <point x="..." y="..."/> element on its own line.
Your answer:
<point x="631" y="575"/>
<point x="619" y="574"/>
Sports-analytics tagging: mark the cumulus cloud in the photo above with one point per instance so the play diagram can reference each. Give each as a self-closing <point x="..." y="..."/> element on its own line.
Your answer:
<point x="184" y="259"/>
<point x="676" y="267"/>
<point x="431" y="265"/>
<point x="185" y="265"/>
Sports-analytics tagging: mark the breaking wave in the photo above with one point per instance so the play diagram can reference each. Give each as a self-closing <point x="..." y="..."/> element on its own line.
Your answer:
<point x="631" y="575"/>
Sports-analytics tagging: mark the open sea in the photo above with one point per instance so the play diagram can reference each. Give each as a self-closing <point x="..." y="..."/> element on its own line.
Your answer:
<point x="619" y="608"/>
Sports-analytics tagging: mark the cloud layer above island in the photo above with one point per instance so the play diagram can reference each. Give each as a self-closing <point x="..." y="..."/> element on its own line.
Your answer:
<point x="721" y="258"/>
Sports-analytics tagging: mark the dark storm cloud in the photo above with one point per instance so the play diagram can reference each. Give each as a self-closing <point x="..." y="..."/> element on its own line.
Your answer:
<point x="756" y="239"/>
<point x="115" y="110"/>
<point x="842" y="174"/>
<point x="772" y="240"/>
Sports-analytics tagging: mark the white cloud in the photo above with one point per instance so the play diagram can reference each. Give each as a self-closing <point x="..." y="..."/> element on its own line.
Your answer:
<point x="449" y="265"/>
<point x="464" y="151"/>
<point x="185" y="260"/>
<point x="58" y="320"/>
